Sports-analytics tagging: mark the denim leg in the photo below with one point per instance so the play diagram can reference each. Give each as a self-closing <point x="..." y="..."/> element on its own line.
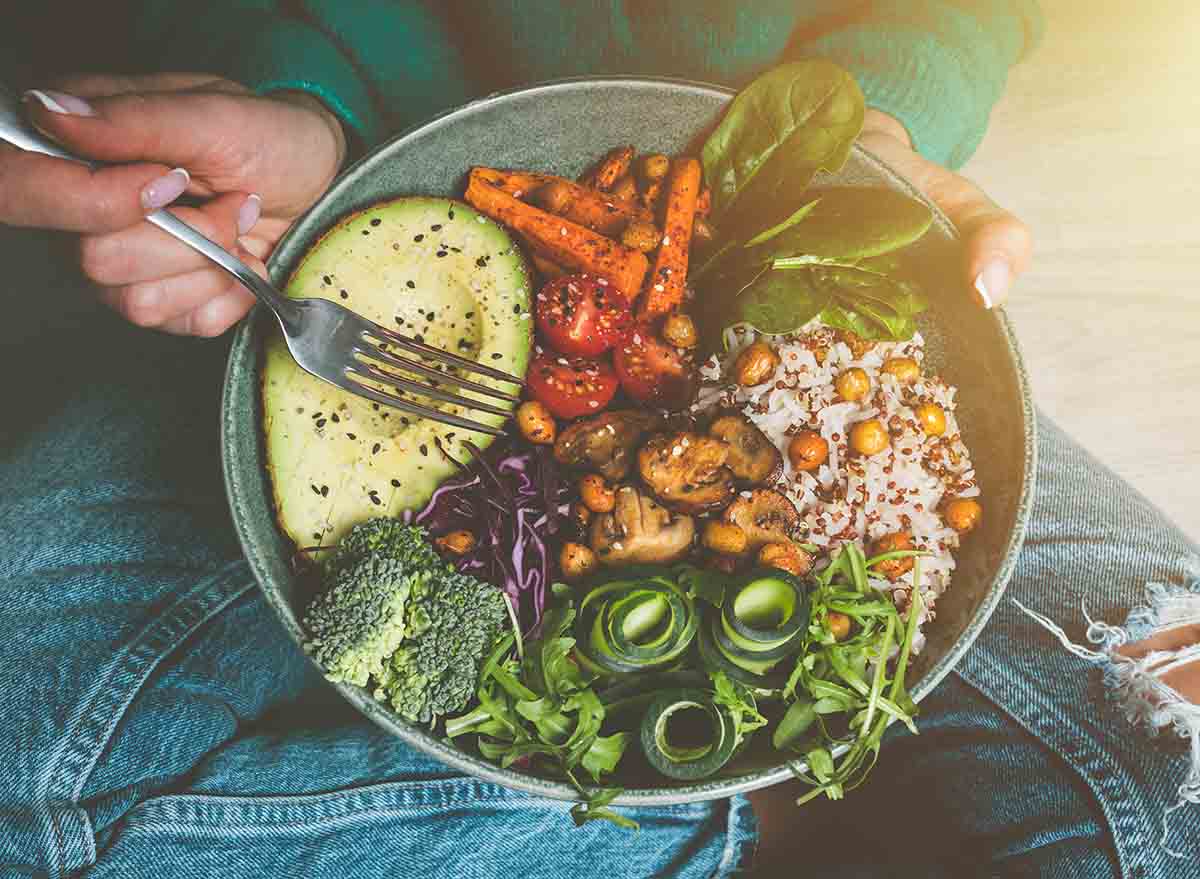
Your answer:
<point x="157" y="719"/>
<point x="1023" y="767"/>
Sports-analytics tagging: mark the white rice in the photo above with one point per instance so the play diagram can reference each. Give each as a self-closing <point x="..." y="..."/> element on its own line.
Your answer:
<point x="856" y="498"/>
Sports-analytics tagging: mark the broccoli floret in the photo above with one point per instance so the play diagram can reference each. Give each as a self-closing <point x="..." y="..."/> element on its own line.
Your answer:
<point x="452" y="623"/>
<point x="393" y="611"/>
<point x="357" y="622"/>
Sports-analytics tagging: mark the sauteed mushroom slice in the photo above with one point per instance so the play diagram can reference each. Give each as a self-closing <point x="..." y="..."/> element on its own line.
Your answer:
<point x="606" y="442"/>
<point x="640" y="531"/>
<point x="687" y="472"/>
<point x="753" y="458"/>
<point x="766" y="516"/>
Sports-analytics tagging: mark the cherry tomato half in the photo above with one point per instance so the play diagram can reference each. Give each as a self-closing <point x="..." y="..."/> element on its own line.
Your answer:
<point x="651" y="371"/>
<point x="582" y="315"/>
<point x="570" y="387"/>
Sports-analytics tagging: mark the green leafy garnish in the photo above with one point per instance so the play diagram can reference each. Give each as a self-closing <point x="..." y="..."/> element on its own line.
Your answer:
<point x="848" y="681"/>
<point x="542" y="708"/>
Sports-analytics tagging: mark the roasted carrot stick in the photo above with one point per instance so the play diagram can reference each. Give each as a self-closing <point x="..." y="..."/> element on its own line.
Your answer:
<point x="558" y="239"/>
<point x="546" y="268"/>
<point x="668" y="278"/>
<point x="704" y="203"/>
<point x="580" y="204"/>
<point x="615" y="164"/>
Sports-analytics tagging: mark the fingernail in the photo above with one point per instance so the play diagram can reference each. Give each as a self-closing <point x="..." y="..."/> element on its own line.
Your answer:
<point x="249" y="213"/>
<point x="161" y="192"/>
<point x="61" y="102"/>
<point x="991" y="286"/>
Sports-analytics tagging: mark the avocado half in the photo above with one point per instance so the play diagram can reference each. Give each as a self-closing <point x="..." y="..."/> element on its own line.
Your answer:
<point x="432" y="268"/>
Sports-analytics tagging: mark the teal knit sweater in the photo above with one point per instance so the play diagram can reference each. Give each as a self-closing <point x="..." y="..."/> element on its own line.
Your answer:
<point x="936" y="65"/>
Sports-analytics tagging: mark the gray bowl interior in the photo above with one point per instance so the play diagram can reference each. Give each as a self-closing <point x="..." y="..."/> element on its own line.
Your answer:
<point x="561" y="127"/>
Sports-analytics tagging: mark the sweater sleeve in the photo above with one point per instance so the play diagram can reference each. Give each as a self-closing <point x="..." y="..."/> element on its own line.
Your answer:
<point x="264" y="44"/>
<point x="938" y="66"/>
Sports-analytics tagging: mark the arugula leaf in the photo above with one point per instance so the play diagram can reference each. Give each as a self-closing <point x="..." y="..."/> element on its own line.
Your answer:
<point x="777" y="133"/>
<point x="595" y="808"/>
<point x="740" y="703"/>
<point x="702" y="583"/>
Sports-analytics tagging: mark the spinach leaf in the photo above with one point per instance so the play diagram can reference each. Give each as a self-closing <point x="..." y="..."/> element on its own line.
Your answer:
<point x="777" y="133"/>
<point x="847" y="223"/>
<point x="791" y="221"/>
<point x="780" y="302"/>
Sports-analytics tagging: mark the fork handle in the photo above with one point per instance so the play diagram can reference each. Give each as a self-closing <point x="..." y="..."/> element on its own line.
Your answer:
<point x="17" y="132"/>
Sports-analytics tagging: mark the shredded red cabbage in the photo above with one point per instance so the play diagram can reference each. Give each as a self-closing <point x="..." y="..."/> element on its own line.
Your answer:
<point x="513" y="499"/>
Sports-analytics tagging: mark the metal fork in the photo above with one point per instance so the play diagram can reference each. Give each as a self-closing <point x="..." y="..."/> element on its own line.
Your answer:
<point x="326" y="339"/>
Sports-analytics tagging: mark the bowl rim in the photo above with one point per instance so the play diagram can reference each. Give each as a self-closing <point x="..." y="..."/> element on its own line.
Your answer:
<point x="475" y="766"/>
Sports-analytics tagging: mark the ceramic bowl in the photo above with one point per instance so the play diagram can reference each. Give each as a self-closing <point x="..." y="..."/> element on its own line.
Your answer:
<point x="560" y="127"/>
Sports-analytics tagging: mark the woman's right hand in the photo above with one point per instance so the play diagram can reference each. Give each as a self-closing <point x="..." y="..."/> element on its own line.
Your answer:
<point x="257" y="162"/>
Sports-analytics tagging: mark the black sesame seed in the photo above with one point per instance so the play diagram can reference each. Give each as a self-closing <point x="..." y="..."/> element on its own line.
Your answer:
<point x="436" y="227"/>
<point x="320" y="423"/>
<point x="375" y="449"/>
<point x="440" y="253"/>
<point x="395" y="483"/>
<point x="481" y="262"/>
<point x="418" y="238"/>
<point x="517" y="309"/>
<point x="411" y="286"/>
<point x="325" y="278"/>
<point x="424" y="450"/>
<point x="450" y="213"/>
<point x="344" y="295"/>
<point x="469" y="315"/>
<point x="324" y="491"/>
<point x="366" y="231"/>
<point x="316" y="535"/>
<point x="376" y="221"/>
<point x="352" y="436"/>
<point x="315" y="489"/>
<point x="419" y="338"/>
<point x="497" y="356"/>
<point x="335" y="418"/>
<point x="375" y="500"/>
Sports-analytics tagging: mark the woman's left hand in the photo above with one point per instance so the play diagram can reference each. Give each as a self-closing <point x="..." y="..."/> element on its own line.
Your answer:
<point x="998" y="246"/>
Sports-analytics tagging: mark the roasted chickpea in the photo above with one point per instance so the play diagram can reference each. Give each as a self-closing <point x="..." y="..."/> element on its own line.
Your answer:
<point x="755" y="364"/>
<point x="839" y="625"/>
<point x="577" y="560"/>
<point x="787" y="557"/>
<point x="456" y="542"/>
<point x="596" y="494"/>
<point x="869" y="437"/>
<point x="655" y="166"/>
<point x="641" y="235"/>
<point x="852" y="384"/>
<point x="554" y="197"/>
<point x="894" y="569"/>
<point x="679" y="330"/>
<point x="904" y="369"/>
<point x="932" y="418"/>
<point x="725" y="538"/>
<point x="857" y="344"/>
<point x="702" y="232"/>
<point x="807" y="450"/>
<point x="625" y="188"/>
<point x="962" y="514"/>
<point x="536" y="423"/>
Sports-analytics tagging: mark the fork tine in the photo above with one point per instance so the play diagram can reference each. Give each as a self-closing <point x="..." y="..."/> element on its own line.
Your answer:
<point x="374" y="373"/>
<point x="445" y="356"/>
<point x="423" y="411"/>
<point x="389" y="359"/>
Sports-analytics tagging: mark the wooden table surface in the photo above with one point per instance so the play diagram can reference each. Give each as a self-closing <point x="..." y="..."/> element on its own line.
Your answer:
<point x="1096" y="145"/>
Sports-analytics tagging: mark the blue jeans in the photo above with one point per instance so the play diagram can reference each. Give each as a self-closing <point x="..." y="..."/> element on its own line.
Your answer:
<point x="157" y="721"/>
